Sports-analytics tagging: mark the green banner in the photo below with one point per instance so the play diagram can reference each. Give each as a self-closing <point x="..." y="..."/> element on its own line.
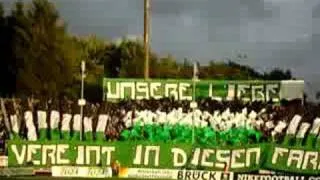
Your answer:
<point x="133" y="154"/>
<point x="288" y="159"/>
<point x="302" y="160"/>
<point x="116" y="89"/>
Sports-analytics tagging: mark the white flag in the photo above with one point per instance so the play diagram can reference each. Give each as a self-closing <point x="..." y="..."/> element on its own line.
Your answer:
<point x="292" y="128"/>
<point x="303" y="130"/>
<point x="65" y="125"/>
<point x="76" y="122"/>
<point x="102" y="122"/>
<point x="42" y="119"/>
<point x="32" y="135"/>
<point x="14" y="123"/>
<point x="195" y="71"/>
<point x="87" y="122"/>
<point x="280" y="126"/>
<point x="315" y="127"/>
<point x="54" y="119"/>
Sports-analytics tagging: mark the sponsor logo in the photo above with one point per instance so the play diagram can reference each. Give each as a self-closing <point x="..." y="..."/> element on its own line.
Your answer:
<point x="203" y="175"/>
<point x="3" y="161"/>
<point x="144" y="173"/>
<point x="74" y="171"/>
<point x="274" y="177"/>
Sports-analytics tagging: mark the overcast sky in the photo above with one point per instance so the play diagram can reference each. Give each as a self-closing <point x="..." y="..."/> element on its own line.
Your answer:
<point x="273" y="33"/>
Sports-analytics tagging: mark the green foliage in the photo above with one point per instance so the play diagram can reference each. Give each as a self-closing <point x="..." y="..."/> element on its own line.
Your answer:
<point x="43" y="52"/>
<point x="168" y="68"/>
<point x="278" y="74"/>
<point x="91" y="48"/>
<point x="125" y="58"/>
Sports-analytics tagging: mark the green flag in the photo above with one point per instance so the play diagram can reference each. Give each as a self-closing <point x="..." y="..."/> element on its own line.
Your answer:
<point x="312" y="136"/>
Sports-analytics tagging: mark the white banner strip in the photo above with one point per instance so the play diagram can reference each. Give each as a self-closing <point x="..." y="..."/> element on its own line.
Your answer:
<point x="3" y="161"/>
<point x="144" y="173"/>
<point x="77" y="171"/>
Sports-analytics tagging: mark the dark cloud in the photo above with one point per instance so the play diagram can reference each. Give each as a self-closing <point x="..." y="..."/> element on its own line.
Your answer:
<point x="225" y="8"/>
<point x="113" y="31"/>
<point x="259" y="9"/>
<point x="169" y="7"/>
<point x="316" y="11"/>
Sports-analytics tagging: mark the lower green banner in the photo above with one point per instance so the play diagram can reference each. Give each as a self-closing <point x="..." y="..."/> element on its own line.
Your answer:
<point x="134" y="155"/>
<point x="170" y="156"/>
<point x="291" y="159"/>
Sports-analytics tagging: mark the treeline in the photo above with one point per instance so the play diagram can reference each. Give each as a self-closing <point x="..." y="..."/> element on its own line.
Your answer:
<point x="39" y="57"/>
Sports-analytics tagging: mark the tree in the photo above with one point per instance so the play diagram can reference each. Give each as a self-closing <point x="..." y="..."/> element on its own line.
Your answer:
<point x="186" y="69"/>
<point x="1" y="11"/>
<point x="318" y="95"/>
<point x="3" y="52"/>
<point x="132" y="58"/>
<point x="7" y="55"/>
<point x="91" y="48"/>
<point x="112" y="61"/>
<point x="126" y="59"/>
<point x="168" y="67"/>
<point x="278" y="74"/>
<point x="45" y="54"/>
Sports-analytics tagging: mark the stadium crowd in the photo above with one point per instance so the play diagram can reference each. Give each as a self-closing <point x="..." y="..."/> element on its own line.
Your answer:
<point x="114" y="121"/>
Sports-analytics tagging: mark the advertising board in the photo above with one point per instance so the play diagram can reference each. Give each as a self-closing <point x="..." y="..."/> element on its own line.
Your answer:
<point x="274" y="177"/>
<point x="3" y="161"/>
<point x="183" y="174"/>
